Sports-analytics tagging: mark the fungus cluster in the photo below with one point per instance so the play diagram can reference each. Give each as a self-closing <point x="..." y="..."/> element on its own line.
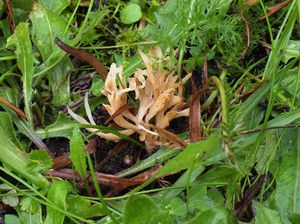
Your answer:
<point x="158" y="97"/>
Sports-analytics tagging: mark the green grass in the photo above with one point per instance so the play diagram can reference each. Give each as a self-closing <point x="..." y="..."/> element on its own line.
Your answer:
<point x="246" y="167"/>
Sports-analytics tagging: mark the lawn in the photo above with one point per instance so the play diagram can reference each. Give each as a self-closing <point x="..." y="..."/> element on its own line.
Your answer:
<point x="150" y="111"/>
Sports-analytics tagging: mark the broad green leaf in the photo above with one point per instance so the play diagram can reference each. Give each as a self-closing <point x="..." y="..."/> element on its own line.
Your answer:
<point x="11" y="219"/>
<point x="287" y="193"/>
<point x="177" y="207"/>
<point x="84" y="28"/>
<point x="264" y="215"/>
<point x="12" y="157"/>
<point x="20" y="40"/>
<point x="40" y="161"/>
<point x="77" y="153"/>
<point x="292" y="50"/>
<point x="291" y="87"/>
<point x="130" y="64"/>
<point x="46" y="26"/>
<point x="12" y="201"/>
<point x="56" y="6"/>
<point x="266" y="154"/>
<point x="8" y="199"/>
<point x="190" y="156"/>
<point x="189" y="176"/>
<point x="294" y="219"/>
<point x="28" y="205"/>
<point x="196" y="193"/>
<point x="218" y="176"/>
<point x="62" y="127"/>
<point x="22" y="4"/>
<point x="161" y="218"/>
<point x="59" y="77"/>
<point x="57" y="194"/>
<point x="183" y="181"/>
<point x="32" y="218"/>
<point x="97" y="86"/>
<point x="45" y="23"/>
<point x="140" y="209"/>
<point x="215" y="215"/>
<point x="201" y="199"/>
<point x="5" y="121"/>
<point x="131" y="13"/>
<point x="4" y="25"/>
<point x="10" y="94"/>
<point x="83" y="208"/>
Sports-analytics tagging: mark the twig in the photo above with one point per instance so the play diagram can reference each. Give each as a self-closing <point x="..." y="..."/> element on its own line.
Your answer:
<point x="170" y="136"/>
<point x="62" y="161"/>
<point x="248" y="34"/>
<point x="205" y="69"/>
<point x="269" y="128"/>
<point x="118" y="112"/>
<point x="10" y="16"/>
<point x="102" y="178"/>
<point x="275" y="8"/>
<point x="248" y="92"/>
<point x="19" y="112"/>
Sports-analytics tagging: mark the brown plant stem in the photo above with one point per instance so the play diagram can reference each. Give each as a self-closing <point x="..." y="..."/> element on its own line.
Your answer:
<point x="269" y="128"/>
<point x="19" y="112"/>
<point x="248" y="33"/>
<point x="275" y="8"/>
<point x="10" y="16"/>
<point x="103" y="178"/>
<point x="119" y="112"/>
<point x="84" y="56"/>
<point x="195" y="115"/>
<point x="205" y="69"/>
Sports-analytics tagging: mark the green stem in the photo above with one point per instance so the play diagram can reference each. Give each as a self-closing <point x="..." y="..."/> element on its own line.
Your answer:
<point x="72" y="17"/>
<point x="8" y="58"/>
<point x="221" y="89"/>
<point x="97" y="188"/>
<point x="267" y="19"/>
